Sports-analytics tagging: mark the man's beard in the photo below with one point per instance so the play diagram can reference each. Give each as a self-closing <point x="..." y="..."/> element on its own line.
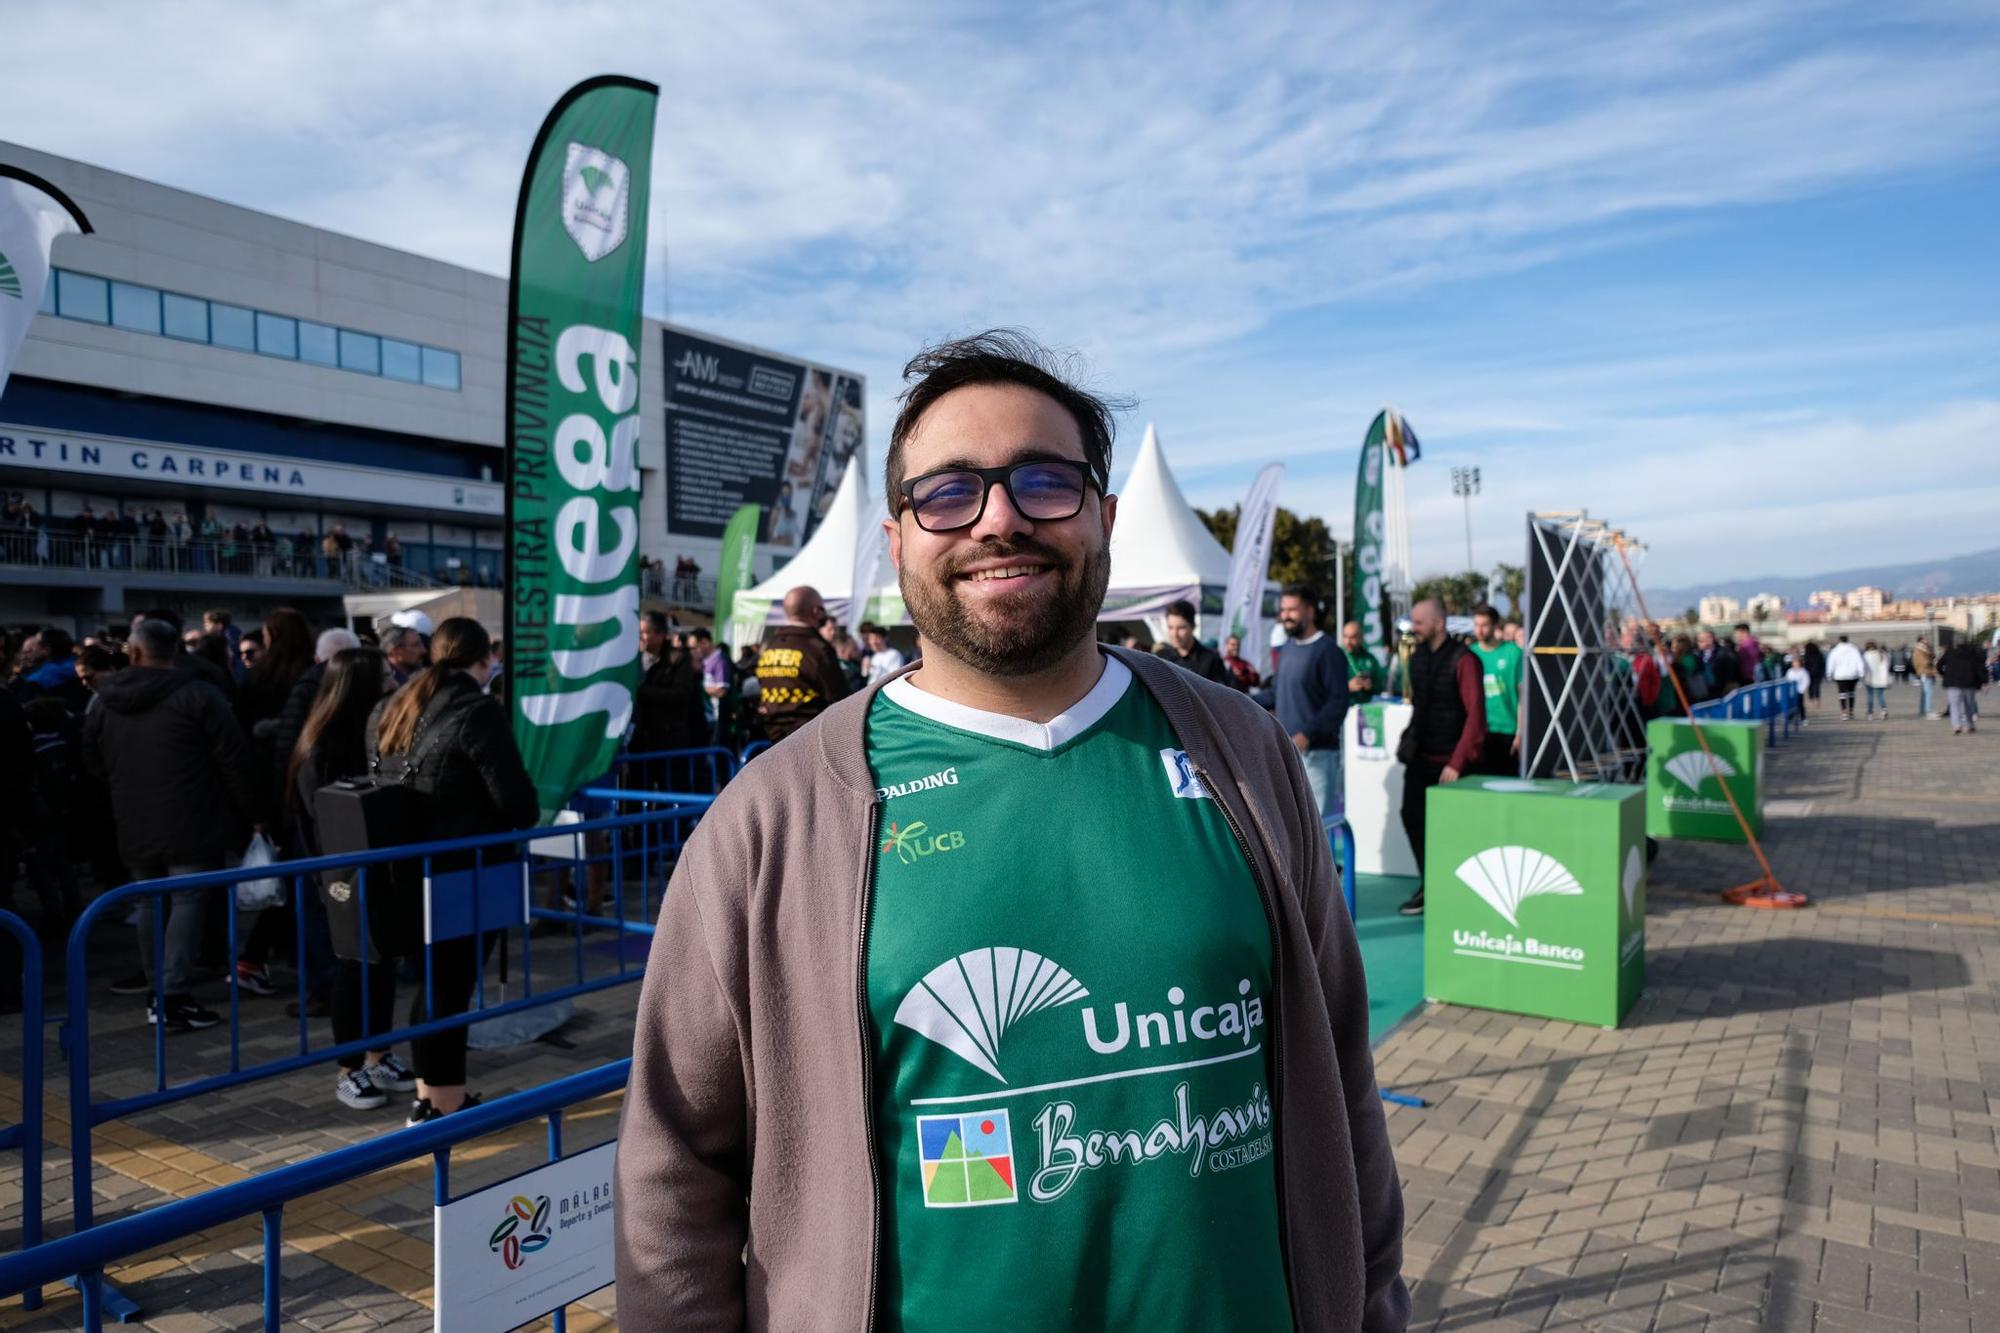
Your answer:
<point x="1294" y="629"/>
<point x="1015" y="634"/>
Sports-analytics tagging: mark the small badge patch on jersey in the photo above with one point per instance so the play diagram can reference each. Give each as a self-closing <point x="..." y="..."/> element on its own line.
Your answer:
<point x="1181" y="775"/>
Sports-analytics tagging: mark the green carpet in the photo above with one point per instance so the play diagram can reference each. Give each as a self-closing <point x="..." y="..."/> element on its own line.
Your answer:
<point x="1392" y="950"/>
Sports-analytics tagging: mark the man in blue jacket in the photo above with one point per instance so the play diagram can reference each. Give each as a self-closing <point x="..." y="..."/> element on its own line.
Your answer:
<point x="1309" y="691"/>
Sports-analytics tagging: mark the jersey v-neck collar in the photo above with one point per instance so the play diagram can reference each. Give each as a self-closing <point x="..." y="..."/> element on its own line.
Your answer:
<point x="1058" y="731"/>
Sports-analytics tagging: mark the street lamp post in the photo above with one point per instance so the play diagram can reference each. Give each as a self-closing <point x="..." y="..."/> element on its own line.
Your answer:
<point x="1465" y="485"/>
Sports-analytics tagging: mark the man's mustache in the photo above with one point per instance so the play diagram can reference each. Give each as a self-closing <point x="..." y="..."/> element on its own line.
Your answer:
<point x="1001" y="550"/>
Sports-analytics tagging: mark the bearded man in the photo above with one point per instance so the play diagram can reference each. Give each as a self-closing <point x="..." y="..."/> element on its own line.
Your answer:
<point x="1016" y="991"/>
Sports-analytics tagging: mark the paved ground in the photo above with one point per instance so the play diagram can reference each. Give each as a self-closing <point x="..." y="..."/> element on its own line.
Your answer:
<point x="1793" y="1131"/>
<point x="1796" y="1128"/>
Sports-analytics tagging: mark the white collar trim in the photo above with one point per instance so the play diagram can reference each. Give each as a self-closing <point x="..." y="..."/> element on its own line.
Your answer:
<point x="1317" y="635"/>
<point x="1066" y="726"/>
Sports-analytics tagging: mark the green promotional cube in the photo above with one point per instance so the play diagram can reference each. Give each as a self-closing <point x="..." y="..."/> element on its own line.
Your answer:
<point x="1535" y="897"/>
<point x="1684" y="787"/>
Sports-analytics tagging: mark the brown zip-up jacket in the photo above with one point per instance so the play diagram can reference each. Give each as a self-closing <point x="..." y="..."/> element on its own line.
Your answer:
<point x="747" y="1172"/>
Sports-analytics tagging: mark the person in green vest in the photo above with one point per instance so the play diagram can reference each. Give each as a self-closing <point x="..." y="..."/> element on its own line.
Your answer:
<point x="1501" y="661"/>
<point x="1014" y="992"/>
<point x="1366" y="680"/>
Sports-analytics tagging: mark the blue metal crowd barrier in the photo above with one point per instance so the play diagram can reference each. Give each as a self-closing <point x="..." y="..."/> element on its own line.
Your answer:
<point x="27" y="1136"/>
<point x="87" y="1252"/>
<point x="755" y="748"/>
<point x="703" y="768"/>
<point x="614" y="842"/>
<point x="1775" y="703"/>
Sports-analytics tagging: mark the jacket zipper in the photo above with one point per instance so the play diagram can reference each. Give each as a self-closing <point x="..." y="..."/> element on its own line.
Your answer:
<point x="868" y="1062"/>
<point x="1276" y="1025"/>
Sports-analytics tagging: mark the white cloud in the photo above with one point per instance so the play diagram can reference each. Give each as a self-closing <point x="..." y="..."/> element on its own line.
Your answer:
<point x="1153" y="184"/>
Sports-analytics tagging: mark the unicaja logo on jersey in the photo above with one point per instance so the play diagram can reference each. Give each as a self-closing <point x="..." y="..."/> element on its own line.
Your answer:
<point x="966" y="1004"/>
<point x="596" y="196"/>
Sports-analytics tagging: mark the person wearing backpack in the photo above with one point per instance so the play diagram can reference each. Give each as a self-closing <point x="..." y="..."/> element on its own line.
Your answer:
<point x="334" y="745"/>
<point x="449" y="740"/>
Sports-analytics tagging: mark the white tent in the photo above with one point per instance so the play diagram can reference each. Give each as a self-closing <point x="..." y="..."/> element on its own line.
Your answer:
<point x="1160" y="551"/>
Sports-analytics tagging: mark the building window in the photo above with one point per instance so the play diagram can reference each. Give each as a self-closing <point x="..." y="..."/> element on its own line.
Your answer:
<point x="318" y="344"/>
<point x="135" y="308"/>
<point x="440" y="368"/>
<point x="142" y="309"/>
<point x="80" y="296"/>
<point x="401" y="361"/>
<point x="360" y="351"/>
<point x="186" y="317"/>
<point x="232" y="326"/>
<point x="277" y="336"/>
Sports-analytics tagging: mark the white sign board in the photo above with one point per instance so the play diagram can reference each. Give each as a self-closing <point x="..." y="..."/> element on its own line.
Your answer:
<point x="270" y="476"/>
<point x="515" y="1251"/>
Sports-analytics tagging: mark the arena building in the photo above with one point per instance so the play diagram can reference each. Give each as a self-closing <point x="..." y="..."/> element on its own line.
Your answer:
<point x="217" y="407"/>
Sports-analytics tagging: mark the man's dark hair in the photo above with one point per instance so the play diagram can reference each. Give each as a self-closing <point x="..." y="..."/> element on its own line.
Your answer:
<point x="1486" y="609"/>
<point x="1001" y="356"/>
<point x="658" y="620"/>
<point x="701" y="633"/>
<point x="57" y="642"/>
<point x="219" y="616"/>
<point x="159" y="640"/>
<point x="870" y="627"/>
<point x="1740" y="625"/>
<point x="1305" y="592"/>
<point x="1184" y="609"/>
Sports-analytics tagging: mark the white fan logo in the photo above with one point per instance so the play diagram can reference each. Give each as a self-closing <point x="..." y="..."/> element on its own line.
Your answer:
<point x="1506" y="877"/>
<point x="1690" y="768"/>
<point x="967" y="1003"/>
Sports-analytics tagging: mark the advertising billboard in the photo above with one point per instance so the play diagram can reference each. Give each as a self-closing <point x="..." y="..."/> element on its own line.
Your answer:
<point x="746" y="426"/>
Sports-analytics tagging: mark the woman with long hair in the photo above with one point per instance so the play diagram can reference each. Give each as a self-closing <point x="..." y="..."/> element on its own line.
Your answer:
<point x="451" y="741"/>
<point x="334" y="745"/>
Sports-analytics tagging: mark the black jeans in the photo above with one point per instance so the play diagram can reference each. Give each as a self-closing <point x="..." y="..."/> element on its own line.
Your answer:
<point x="1496" y="756"/>
<point x="454" y="966"/>
<point x="1418" y="778"/>
<point x="381" y="995"/>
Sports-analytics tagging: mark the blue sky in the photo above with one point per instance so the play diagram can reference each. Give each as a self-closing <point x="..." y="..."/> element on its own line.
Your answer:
<point x="1723" y="274"/>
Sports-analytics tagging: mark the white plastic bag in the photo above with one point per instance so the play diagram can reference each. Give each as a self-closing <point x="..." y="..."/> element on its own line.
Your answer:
<point x="254" y="895"/>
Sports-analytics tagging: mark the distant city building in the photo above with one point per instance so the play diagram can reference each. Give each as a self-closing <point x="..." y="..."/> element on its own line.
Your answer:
<point x="1715" y="608"/>
<point x="1765" y="606"/>
<point x="1866" y="601"/>
<point x="1829" y="601"/>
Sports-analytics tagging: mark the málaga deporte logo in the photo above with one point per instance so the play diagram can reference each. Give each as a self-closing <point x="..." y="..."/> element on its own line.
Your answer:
<point x="523" y="1230"/>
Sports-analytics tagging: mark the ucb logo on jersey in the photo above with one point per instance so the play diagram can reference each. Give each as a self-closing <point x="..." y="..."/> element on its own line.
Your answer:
<point x="1181" y="777"/>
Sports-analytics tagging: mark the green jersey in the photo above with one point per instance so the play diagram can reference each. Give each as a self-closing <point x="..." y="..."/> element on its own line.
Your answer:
<point x="1502" y="665"/>
<point x="1361" y="662"/>
<point x="1067" y="966"/>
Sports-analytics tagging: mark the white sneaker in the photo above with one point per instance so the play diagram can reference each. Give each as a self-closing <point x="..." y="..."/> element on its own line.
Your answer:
<point x="356" y="1090"/>
<point x="391" y="1075"/>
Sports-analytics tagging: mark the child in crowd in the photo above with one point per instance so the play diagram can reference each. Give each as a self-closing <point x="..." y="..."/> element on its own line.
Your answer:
<point x="1796" y="673"/>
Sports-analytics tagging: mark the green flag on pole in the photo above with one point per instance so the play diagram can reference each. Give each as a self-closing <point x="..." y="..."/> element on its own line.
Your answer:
<point x="1369" y="534"/>
<point x="739" y="548"/>
<point x="573" y="432"/>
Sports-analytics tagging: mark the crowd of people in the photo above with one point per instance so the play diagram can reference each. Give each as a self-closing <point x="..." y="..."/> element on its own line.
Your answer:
<point x="164" y="749"/>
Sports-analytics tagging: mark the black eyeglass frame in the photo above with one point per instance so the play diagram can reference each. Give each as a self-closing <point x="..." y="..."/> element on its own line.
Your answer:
<point x="1005" y="477"/>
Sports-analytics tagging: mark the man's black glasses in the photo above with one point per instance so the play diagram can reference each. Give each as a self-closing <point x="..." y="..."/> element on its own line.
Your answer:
<point x="1046" y="490"/>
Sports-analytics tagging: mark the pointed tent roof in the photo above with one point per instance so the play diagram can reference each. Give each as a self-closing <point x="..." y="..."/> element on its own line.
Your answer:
<point x="1159" y="539"/>
<point x="826" y="561"/>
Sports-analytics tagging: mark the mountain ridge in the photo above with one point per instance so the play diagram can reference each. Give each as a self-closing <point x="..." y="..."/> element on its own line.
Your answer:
<point x="1957" y="575"/>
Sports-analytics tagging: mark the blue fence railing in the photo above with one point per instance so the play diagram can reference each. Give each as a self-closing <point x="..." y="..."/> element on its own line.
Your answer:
<point x="87" y="1253"/>
<point x="701" y="769"/>
<point x="27" y="1136"/>
<point x="629" y="846"/>
<point x="1775" y="703"/>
